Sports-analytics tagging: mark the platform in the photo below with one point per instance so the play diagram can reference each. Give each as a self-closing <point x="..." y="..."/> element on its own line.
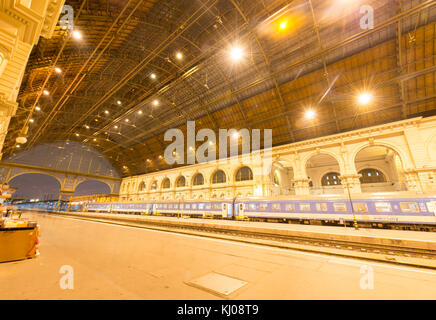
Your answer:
<point x="395" y="238"/>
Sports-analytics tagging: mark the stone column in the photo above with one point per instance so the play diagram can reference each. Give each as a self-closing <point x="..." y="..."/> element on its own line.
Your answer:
<point x="64" y="194"/>
<point x="351" y="182"/>
<point x="412" y="181"/>
<point x="301" y="186"/>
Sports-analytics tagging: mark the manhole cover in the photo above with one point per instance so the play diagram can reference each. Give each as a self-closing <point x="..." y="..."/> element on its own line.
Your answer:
<point x="217" y="283"/>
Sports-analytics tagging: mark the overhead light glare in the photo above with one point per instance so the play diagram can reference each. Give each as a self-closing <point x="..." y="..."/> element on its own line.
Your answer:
<point x="236" y="53"/>
<point x="365" y="98"/>
<point x="310" y="114"/>
<point x="77" y="35"/>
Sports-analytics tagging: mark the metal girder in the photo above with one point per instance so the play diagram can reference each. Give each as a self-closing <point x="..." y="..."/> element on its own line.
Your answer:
<point x="73" y="173"/>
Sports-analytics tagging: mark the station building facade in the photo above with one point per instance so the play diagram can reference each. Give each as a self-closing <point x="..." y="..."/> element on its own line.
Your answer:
<point x="394" y="157"/>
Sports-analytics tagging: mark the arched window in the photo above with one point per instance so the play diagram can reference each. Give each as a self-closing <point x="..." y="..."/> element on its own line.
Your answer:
<point x="166" y="183"/>
<point x="198" y="180"/>
<point x="331" y="179"/>
<point x="142" y="186"/>
<point x="153" y="185"/>
<point x="244" y="174"/>
<point x="181" y="182"/>
<point x="371" y="176"/>
<point x="219" y="177"/>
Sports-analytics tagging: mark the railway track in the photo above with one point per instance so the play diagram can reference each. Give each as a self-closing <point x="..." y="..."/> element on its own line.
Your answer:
<point x="386" y="253"/>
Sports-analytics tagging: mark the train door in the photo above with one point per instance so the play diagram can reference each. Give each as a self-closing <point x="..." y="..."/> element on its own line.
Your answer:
<point x="239" y="209"/>
<point x="154" y="208"/>
<point x="226" y="210"/>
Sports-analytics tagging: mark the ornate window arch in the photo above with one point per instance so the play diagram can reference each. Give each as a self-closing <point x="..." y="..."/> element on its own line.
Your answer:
<point x="219" y="176"/>
<point x="181" y="182"/>
<point x="166" y="184"/>
<point x="331" y="179"/>
<point x="371" y="175"/>
<point x="243" y="174"/>
<point x="198" y="180"/>
<point x="153" y="185"/>
<point x="141" y="186"/>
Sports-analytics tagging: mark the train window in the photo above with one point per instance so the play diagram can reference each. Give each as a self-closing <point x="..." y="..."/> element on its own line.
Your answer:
<point x="321" y="206"/>
<point x="360" y="207"/>
<point x="305" y="206"/>
<point x="340" y="206"/>
<point x="187" y="206"/>
<point x="170" y="206"/>
<point x="431" y="206"/>
<point x="276" y="206"/>
<point x="383" y="207"/>
<point x="201" y="206"/>
<point x="194" y="206"/>
<point x="165" y="206"/>
<point x="208" y="206"/>
<point x="263" y="206"/>
<point x="181" y="206"/>
<point x="216" y="205"/>
<point x="410" y="207"/>
<point x="289" y="207"/>
<point x="252" y="206"/>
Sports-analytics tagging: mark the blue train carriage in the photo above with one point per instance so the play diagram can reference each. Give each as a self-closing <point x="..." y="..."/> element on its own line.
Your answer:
<point x="211" y="208"/>
<point x="99" y="207"/>
<point x="398" y="210"/>
<point x="137" y="208"/>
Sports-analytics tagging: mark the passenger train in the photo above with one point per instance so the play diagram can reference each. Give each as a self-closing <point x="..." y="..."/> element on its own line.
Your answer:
<point x="392" y="210"/>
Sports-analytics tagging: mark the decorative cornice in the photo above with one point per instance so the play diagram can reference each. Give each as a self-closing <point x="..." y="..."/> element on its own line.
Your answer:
<point x="53" y="11"/>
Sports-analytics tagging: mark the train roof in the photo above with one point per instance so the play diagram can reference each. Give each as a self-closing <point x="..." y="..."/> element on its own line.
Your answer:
<point x="374" y="195"/>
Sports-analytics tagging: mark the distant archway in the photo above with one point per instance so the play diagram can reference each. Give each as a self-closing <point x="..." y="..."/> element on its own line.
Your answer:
<point x="282" y="177"/>
<point x="382" y="169"/>
<point x="319" y="167"/>
<point x="90" y="187"/>
<point x="35" y="186"/>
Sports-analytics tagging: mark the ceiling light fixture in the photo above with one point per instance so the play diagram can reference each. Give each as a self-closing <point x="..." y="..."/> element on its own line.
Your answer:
<point x="236" y="53"/>
<point x="77" y="35"/>
<point x="365" y="98"/>
<point x="310" y="114"/>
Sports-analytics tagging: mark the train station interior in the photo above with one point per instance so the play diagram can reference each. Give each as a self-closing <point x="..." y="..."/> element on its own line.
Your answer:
<point x="217" y="149"/>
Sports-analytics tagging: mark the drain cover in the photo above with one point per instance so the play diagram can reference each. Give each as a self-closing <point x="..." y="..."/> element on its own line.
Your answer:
<point x="217" y="283"/>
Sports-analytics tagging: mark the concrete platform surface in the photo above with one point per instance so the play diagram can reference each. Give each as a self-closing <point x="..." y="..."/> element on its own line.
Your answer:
<point x="90" y="260"/>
